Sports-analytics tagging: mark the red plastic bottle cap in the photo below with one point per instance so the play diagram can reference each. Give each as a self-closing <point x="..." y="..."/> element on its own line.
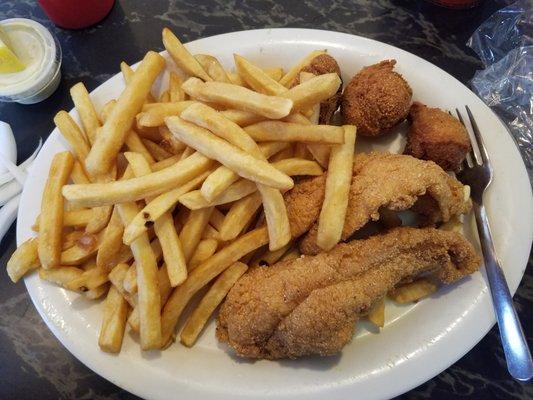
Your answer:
<point x="76" y="14"/>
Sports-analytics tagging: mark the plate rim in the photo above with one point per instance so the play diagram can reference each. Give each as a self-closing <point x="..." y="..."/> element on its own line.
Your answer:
<point x="404" y="386"/>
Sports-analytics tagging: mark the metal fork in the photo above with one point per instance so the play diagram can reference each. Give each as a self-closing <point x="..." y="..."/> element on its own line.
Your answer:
<point x="478" y="174"/>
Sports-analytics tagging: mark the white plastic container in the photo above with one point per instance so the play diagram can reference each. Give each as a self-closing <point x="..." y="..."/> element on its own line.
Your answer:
<point x="40" y="51"/>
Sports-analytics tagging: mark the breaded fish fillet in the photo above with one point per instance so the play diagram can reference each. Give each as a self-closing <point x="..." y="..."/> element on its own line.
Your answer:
<point x="395" y="182"/>
<point x="310" y="305"/>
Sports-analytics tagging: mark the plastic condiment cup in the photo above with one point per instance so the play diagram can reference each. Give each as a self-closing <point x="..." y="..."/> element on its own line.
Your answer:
<point x="40" y="51"/>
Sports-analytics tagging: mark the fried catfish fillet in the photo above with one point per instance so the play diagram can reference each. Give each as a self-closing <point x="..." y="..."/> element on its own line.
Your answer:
<point x="310" y="305"/>
<point x="396" y="182"/>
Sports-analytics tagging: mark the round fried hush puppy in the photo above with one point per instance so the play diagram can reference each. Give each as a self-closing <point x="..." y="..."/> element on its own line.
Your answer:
<point x="376" y="99"/>
<point x="437" y="136"/>
<point x="320" y="65"/>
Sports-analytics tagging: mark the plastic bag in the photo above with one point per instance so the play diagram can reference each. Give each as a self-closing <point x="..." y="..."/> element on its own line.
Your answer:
<point x="505" y="46"/>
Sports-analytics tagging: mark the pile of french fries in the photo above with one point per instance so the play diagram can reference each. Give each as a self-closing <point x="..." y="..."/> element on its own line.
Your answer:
<point x="159" y="198"/>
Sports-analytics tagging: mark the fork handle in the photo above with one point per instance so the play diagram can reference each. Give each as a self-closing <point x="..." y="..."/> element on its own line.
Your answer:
<point x="517" y="354"/>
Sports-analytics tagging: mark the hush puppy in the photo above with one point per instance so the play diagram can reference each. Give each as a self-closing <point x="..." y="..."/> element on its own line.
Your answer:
<point x="437" y="136"/>
<point x="376" y="99"/>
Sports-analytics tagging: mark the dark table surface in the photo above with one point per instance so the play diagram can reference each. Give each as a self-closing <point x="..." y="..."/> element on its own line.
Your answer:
<point x="33" y="364"/>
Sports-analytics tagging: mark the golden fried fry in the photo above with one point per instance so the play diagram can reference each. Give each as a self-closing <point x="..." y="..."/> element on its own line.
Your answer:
<point x="98" y="194"/>
<point x="210" y="301"/>
<point x="233" y="96"/>
<point x="24" y="259"/>
<point x="291" y="132"/>
<point x="51" y="220"/>
<point x="86" y="111"/>
<point x="414" y="291"/>
<point x="181" y="56"/>
<point x="113" y="322"/>
<point x="116" y="127"/>
<point x="339" y="178"/>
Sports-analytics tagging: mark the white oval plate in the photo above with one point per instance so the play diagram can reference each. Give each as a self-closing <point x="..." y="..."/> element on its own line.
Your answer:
<point x="418" y="341"/>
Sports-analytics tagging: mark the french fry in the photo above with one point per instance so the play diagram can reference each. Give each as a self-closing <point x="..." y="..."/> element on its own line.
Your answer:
<point x="134" y="143"/>
<point x="203" y="274"/>
<point x="292" y="254"/>
<point x="154" y="114"/>
<point x="256" y="78"/>
<point x="51" y="220"/>
<point x="217" y="218"/>
<point x="169" y="142"/>
<point x="181" y="56"/>
<point x="77" y="174"/>
<point x="96" y="293"/>
<point x="222" y="177"/>
<point x="191" y="233"/>
<point x="208" y="118"/>
<point x="164" y="229"/>
<point x="91" y="278"/>
<point x="86" y="246"/>
<point x="71" y="238"/>
<point x="113" y="322"/>
<point x="130" y="278"/>
<point x="320" y="152"/>
<point x="454" y="224"/>
<point x="213" y="67"/>
<point x="275" y="73"/>
<point x="99" y="194"/>
<point x="111" y="242"/>
<point x="232" y="157"/>
<point x="174" y="88"/>
<point x="86" y="111"/>
<point x="76" y="218"/>
<point x="271" y="257"/>
<point x="210" y="233"/>
<point x="164" y="97"/>
<point x="242" y="118"/>
<point x="116" y="127"/>
<point x="195" y="201"/>
<point x="298" y="166"/>
<point x="187" y="152"/>
<point x="276" y="214"/>
<point x="209" y="303"/>
<point x="127" y="74"/>
<point x="236" y="79"/>
<point x="159" y="165"/>
<point x="295" y="70"/>
<point x="238" y="97"/>
<point x="412" y="292"/>
<point x="287" y="152"/>
<point x="205" y="249"/>
<point x="377" y="314"/>
<point x="313" y="91"/>
<point x="240" y="213"/>
<point x="291" y="132"/>
<point x="333" y="212"/>
<point x="74" y="135"/>
<point x="164" y="291"/>
<point x="148" y="290"/>
<point x="60" y="275"/>
<point x="106" y="110"/>
<point x="157" y="152"/>
<point x="23" y="260"/>
<point x="157" y="207"/>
